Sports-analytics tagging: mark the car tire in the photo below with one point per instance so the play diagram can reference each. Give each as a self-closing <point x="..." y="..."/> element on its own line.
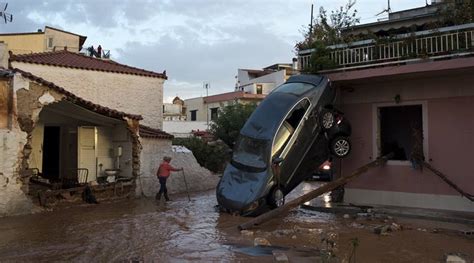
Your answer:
<point x="327" y="119"/>
<point x="341" y="146"/>
<point x="276" y="198"/>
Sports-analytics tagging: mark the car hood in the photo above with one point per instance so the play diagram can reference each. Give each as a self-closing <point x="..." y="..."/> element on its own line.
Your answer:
<point x="238" y="189"/>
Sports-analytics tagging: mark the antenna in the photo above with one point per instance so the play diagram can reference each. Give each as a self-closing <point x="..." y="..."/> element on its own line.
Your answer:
<point x="388" y="10"/>
<point x="7" y="17"/>
<point x="311" y="22"/>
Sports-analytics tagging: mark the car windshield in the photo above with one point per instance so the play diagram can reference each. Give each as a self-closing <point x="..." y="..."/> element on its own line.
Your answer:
<point x="251" y="152"/>
<point x="294" y="88"/>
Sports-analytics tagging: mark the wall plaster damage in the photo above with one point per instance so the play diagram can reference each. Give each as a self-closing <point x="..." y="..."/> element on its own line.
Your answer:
<point x="25" y="100"/>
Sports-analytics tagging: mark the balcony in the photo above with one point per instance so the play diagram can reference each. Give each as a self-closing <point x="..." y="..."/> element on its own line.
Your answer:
<point x="441" y="43"/>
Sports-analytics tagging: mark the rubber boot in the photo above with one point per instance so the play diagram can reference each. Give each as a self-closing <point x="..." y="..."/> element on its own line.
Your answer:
<point x="158" y="196"/>
<point x="166" y="197"/>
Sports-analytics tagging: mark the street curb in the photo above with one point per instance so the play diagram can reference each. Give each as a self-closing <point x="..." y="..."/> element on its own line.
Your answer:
<point x="388" y="212"/>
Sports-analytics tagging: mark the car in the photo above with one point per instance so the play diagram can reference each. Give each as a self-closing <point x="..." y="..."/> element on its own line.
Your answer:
<point x="295" y="128"/>
<point x="323" y="173"/>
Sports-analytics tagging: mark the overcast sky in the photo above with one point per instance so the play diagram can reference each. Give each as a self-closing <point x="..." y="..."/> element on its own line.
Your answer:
<point x="193" y="40"/>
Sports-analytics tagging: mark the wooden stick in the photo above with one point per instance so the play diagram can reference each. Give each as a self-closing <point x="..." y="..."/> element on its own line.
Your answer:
<point x="446" y="180"/>
<point x="313" y="194"/>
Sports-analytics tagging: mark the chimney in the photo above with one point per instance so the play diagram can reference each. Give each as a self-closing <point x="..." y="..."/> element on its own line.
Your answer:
<point x="295" y="64"/>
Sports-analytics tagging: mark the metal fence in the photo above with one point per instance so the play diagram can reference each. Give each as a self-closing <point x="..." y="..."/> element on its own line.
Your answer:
<point x="399" y="48"/>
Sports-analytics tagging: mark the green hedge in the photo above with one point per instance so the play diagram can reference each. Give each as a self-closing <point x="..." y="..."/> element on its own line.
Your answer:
<point x="212" y="156"/>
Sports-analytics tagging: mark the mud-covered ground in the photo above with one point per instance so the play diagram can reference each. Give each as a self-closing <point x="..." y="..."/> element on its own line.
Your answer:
<point x="142" y="230"/>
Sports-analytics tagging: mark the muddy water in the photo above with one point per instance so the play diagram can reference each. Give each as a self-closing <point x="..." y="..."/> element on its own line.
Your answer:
<point x="142" y="230"/>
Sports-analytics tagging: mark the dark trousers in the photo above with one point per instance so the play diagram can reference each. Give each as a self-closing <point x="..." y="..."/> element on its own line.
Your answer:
<point x="163" y="189"/>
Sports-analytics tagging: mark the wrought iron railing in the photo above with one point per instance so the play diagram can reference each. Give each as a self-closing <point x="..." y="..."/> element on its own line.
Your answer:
<point x="446" y="41"/>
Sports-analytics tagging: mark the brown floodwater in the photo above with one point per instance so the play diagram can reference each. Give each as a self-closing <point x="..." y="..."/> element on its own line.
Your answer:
<point x="143" y="230"/>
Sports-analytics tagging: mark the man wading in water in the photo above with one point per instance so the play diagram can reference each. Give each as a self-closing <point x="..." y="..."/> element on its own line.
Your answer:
<point x="163" y="173"/>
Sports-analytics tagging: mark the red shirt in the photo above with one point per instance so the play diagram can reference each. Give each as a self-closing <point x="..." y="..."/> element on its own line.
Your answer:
<point x="165" y="169"/>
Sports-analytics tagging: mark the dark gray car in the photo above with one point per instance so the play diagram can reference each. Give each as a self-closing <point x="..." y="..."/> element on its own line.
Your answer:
<point x="284" y="138"/>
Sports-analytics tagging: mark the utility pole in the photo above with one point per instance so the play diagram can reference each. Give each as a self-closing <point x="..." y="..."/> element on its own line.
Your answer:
<point x="311" y="22"/>
<point x="207" y="86"/>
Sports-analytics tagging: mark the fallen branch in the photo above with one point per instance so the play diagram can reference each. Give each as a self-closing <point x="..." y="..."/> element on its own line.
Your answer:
<point x="313" y="194"/>
<point x="449" y="182"/>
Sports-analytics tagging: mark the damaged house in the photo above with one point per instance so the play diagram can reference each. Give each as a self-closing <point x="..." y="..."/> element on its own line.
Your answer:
<point x="411" y="94"/>
<point x="69" y="119"/>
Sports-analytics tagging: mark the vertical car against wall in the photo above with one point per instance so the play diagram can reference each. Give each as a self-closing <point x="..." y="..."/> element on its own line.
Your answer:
<point x="293" y="130"/>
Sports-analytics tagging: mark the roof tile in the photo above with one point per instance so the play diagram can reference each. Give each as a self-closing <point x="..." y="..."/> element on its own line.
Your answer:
<point x="69" y="59"/>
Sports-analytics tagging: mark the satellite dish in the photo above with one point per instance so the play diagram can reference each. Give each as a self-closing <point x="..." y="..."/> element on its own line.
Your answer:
<point x="6" y="17"/>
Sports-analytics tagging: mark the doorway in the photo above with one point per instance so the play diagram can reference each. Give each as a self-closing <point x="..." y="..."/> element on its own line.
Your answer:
<point x="51" y="152"/>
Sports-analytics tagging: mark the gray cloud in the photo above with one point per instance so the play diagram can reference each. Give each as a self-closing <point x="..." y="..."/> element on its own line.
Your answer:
<point x="194" y="40"/>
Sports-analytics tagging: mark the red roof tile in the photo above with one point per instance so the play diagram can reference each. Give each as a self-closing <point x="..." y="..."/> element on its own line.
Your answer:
<point x="148" y="132"/>
<point x="235" y="95"/>
<point x="79" y="101"/>
<point x="69" y="59"/>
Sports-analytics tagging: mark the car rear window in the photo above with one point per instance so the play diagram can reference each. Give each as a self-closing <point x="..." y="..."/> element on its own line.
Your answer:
<point x="294" y="88"/>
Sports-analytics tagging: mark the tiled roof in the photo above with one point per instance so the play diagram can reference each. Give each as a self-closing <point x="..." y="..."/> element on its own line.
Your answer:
<point x="79" y="101"/>
<point x="69" y="59"/>
<point x="148" y="132"/>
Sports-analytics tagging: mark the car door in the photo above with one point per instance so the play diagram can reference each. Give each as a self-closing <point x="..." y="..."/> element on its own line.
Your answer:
<point x="295" y="134"/>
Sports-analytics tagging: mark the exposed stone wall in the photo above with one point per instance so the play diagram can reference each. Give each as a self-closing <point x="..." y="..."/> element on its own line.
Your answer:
<point x="198" y="178"/>
<point x="128" y="93"/>
<point x="29" y="99"/>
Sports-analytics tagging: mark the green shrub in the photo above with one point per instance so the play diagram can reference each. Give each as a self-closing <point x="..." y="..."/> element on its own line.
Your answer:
<point x="230" y="121"/>
<point x="212" y="156"/>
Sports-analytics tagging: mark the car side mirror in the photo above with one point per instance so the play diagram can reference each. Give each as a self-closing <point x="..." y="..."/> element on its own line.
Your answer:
<point x="277" y="160"/>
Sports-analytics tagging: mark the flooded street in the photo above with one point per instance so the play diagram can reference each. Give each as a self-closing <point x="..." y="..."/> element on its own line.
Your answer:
<point x="142" y="230"/>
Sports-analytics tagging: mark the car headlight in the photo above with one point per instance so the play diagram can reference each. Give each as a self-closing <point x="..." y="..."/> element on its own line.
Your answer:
<point x="252" y="207"/>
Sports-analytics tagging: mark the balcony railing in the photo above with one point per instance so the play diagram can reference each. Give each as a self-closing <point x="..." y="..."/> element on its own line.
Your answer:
<point x="448" y="41"/>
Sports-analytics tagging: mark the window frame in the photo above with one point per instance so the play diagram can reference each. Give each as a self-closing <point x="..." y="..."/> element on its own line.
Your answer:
<point x="376" y="136"/>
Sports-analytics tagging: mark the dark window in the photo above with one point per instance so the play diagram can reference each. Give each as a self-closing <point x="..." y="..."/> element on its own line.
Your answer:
<point x="214" y="113"/>
<point x="193" y="115"/>
<point x="259" y="89"/>
<point x="50" y="42"/>
<point x="401" y="131"/>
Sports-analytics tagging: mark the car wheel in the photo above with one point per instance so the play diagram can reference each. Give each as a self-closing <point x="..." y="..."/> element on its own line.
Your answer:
<point x="327" y="119"/>
<point x="276" y="197"/>
<point x="341" y="147"/>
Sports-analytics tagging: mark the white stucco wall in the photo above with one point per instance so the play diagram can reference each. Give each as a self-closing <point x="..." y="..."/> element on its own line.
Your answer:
<point x="183" y="128"/>
<point x="198" y="178"/>
<point x="124" y="92"/>
<point x="195" y="104"/>
<point x="13" y="201"/>
<point x="278" y="77"/>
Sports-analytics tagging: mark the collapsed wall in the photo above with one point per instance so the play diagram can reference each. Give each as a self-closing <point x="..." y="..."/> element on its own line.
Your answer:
<point x="198" y="178"/>
<point x="27" y="100"/>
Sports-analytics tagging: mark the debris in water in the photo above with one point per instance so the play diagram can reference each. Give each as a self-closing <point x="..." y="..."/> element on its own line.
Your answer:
<point x="455" y="258"/>
<point x="279" y="256"/>
<point x="260" y="241"/>
<point x="246" y="233"/>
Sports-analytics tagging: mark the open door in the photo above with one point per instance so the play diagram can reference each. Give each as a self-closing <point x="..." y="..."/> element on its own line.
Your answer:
<point x="51" y="155"/>
<point x="87" y="141"/>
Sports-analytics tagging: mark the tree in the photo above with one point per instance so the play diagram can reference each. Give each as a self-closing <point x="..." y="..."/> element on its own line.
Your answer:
<point x="326" y="31"/>
<point x="230" y="121"/>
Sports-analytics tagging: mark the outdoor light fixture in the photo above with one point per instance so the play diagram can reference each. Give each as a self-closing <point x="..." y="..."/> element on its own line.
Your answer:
<point x="326" y="167"/>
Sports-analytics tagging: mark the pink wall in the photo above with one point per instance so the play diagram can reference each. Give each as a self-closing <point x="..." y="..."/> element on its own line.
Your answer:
<point x="450" y="144"/>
